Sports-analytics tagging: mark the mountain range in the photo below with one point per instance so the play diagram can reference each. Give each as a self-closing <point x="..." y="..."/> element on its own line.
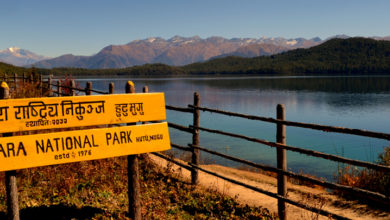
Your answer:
<point x="19" y="57"/>
<point x="176" y="51"/>
<point x="336" y="56"/>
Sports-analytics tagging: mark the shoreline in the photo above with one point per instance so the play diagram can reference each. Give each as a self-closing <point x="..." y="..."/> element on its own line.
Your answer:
<point x="317" y="197"/>
<point x="219" y="76"/>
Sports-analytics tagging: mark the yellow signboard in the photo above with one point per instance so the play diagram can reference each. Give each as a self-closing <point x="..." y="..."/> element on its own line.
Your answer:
<point x="21" y="152"/>
<point x="76" y="111"/>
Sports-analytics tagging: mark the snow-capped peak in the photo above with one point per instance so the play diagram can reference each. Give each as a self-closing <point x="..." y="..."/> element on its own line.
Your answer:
<point x="19" y="57"/>
<point x="13" y="49"/>
<point x="291" y="42"/>
<point x="10" y="50"/>
<point x="151" y="39"/>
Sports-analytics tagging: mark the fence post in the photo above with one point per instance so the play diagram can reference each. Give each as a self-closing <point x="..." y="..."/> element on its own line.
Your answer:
<point x="111" y="88"/>
<point x="195" y="141"/>
<point x="133" y="175"/>
<point x="41" y="83"/>
<point x="145" y="89"/>
<point x="49" y="87"/>
<point x="10" y="176"/>
<point x="88" y="88"/>
<point x="59" y="88"/>
<point x="281" y="161"/>
<point x="72" y="91"/>
<point x="15" y="82"/>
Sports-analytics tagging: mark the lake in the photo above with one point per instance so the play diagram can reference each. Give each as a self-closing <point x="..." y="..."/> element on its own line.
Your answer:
<point x="361" y="102"/>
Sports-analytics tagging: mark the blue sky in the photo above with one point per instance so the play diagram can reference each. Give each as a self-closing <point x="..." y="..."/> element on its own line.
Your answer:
<point x="83" y="27"/>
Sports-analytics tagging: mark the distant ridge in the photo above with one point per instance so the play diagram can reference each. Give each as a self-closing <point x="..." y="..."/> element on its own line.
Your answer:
<point x="177" y="51"/>
<point x="353" y="56"/>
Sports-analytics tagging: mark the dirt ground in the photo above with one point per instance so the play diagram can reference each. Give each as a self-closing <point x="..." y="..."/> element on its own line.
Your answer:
<point x="315" y="197"/>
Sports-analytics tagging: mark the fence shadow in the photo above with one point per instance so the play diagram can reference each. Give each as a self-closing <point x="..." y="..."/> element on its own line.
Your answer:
<point x="56" y="212"/>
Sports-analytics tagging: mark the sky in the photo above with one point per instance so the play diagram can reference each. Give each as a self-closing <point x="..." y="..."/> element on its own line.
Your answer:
<point x="83" y="27"/>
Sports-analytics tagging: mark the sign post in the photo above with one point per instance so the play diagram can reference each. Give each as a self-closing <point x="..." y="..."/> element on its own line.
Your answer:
<point x="133" y="186"/>
<point x="10" y="176"/>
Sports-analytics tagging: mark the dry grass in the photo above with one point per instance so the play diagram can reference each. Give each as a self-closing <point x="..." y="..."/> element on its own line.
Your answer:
<point x="372" y="180"/>
<point x="98" y="190"/>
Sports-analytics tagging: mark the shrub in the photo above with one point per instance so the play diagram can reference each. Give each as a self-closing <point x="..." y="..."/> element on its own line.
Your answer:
<point x="377" y="181"/>
<point x="66" y="84"/>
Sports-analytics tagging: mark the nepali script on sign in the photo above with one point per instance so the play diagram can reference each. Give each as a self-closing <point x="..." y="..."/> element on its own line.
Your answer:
<point x="75" y="111"/>
<point x="19" y="152"/>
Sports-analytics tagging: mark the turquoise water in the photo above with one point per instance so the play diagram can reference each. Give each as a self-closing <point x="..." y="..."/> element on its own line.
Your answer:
<point x="354" y="102"/>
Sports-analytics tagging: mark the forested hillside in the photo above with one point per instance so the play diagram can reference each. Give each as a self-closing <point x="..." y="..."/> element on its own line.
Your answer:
<point x="10" y="69"/>
<point x="337" y="56"/>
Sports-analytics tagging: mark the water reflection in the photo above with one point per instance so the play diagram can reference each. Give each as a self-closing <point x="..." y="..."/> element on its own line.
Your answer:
<point x="374" y="84"/>
<point x="355" y="102"/>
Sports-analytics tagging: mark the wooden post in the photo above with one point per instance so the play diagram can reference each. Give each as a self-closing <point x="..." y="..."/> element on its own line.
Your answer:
<point x="72" y="90"/>
<point x="15" y="81"/>
<point x="4" y="91"/>
<point x="195" y="141"/>
<point x="130" y="87"/>
<point x="49" y="87"/>
<point x="10" y="176"/>
<point x="23" y="78"/>
<point x="133" y="175"/>
<point x="88" y="88"/>
<point x="144" y="157"/>
<point x="34" y="75"/>
<point x="145" y="89"/>
<point x="59" y="88"/>
<point x="41" y="84"/>
<point x="281" y="161"/>
<point x="111" y="88"/>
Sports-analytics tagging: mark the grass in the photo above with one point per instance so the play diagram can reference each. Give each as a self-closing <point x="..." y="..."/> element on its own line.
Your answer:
<point x="98" y="190"/>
